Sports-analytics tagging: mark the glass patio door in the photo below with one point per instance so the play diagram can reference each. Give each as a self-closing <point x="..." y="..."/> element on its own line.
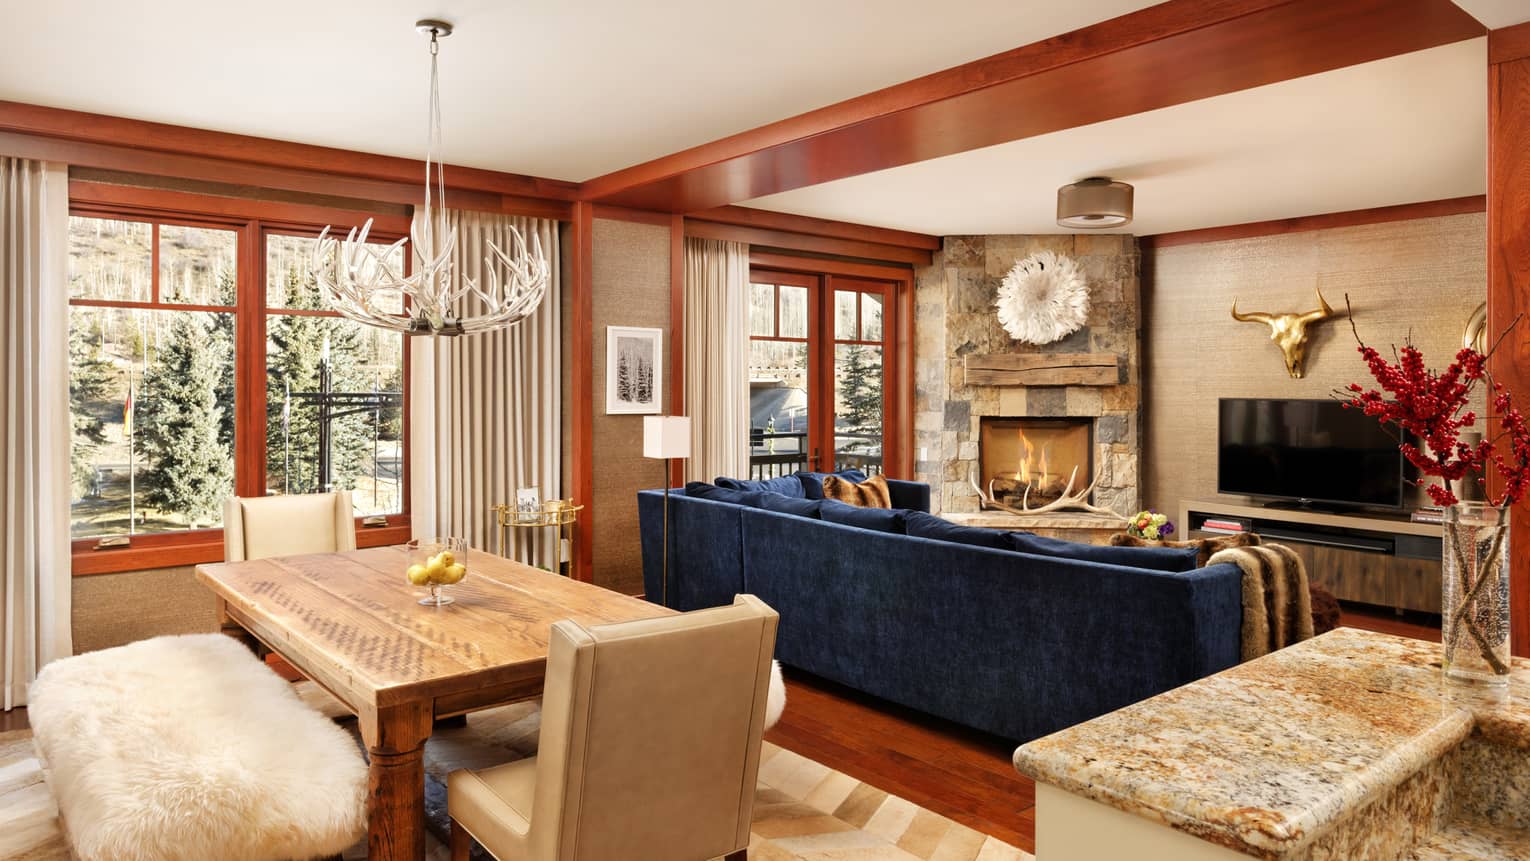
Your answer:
<point x="818" y="372"/>
<point x="782" y="364"/>
<point x="858" y="373"/>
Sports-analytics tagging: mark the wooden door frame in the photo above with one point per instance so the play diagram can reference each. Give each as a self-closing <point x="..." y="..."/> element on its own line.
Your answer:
<point x="898" y="341"/>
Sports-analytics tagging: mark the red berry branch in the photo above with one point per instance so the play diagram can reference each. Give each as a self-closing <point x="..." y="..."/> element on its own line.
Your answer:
<point x="1434" y="408"/>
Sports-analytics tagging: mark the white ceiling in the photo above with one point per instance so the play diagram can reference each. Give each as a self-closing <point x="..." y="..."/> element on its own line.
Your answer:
<point x="567" y="89"/>
<point x="1401" y="130"/>
<point x="1497" y="13"/>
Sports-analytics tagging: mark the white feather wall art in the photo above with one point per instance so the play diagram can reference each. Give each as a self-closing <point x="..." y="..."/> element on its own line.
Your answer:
<point x="1043" y="298"/>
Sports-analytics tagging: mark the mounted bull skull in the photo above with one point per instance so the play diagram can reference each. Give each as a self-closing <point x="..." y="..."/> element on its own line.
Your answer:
<point x="1289" y="331"/>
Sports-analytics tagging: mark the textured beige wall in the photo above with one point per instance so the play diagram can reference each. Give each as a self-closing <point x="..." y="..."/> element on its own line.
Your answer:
<point x="113" y="609"/>
<point x="631" y="288"/>
<point x="1424" y="276"/>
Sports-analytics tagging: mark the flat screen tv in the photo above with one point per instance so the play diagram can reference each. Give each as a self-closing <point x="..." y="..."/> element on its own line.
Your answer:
<point x="1307" y="451"/>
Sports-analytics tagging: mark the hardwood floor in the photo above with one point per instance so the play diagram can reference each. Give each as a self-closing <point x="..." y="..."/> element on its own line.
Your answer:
<point x="950" y="769"/>
<point x="955" y="771"/>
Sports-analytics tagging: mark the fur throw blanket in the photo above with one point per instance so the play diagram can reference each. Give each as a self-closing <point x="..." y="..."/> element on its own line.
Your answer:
<point x="1277" y="606"/>
<point x="188" y="748"/>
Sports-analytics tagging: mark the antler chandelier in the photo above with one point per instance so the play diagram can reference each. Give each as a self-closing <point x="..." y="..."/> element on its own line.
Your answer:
<point x="361" y="284"/>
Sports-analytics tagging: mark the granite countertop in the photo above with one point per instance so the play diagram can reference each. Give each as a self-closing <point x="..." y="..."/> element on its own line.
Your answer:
<point x="1266" y="757"/>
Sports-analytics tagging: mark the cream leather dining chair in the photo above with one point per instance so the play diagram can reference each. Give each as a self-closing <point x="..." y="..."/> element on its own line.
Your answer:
<point x="257" y="527"/>
<point x="649" y="747"/>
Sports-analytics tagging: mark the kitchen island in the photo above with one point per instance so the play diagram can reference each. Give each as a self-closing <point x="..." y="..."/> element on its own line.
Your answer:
<point x="1348" y="746"/>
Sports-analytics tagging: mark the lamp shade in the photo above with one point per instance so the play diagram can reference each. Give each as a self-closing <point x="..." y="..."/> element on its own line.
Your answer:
<point x="666" y="437"/>
<point x="1094" y="204"/>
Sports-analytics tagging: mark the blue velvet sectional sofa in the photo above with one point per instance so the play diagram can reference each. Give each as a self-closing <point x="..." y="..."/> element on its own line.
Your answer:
<point x="1018" y="644"/>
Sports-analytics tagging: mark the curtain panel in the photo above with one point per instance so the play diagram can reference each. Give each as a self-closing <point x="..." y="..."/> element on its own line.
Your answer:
<point x="485" y="410"/>
<point x="717" y="357"/>
<point x="34" y="393"/>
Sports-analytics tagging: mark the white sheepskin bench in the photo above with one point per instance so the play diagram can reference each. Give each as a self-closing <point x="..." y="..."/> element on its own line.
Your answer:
<point x="189" y="749"/>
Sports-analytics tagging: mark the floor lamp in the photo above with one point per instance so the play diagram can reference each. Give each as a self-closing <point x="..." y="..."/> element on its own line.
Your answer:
<point x="666" y="438"/>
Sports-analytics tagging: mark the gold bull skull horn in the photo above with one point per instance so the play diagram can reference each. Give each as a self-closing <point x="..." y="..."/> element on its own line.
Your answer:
<point x="1289" y="331"/>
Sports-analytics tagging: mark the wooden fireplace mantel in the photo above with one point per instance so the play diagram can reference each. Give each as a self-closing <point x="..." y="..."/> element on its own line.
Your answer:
<point x="1044" y="369"/>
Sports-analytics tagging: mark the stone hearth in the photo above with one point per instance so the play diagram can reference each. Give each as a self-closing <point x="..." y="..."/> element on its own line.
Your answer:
<point x="955" y="319"/>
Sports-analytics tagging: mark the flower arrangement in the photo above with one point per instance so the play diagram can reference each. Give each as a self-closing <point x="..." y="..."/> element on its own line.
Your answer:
<point x="1433" y="409"/>
<point x="1149" y="525"/>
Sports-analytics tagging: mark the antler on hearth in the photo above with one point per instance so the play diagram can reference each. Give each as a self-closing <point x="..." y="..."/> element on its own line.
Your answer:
<point x="1068" y="501"/>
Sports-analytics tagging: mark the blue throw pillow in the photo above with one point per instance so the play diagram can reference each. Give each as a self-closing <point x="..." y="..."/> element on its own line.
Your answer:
<point x="786" y="485"/>
<point x="1172" y="559"/>
<point x="922" y="524"/>
<point x="788" y="504"/>
<point x="702" y="490"/>
<point x="879" y="519"/>
<point x="812" y="482"/>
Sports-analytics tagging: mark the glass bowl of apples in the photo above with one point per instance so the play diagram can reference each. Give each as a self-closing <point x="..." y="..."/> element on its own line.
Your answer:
<point x="436" y="563"/>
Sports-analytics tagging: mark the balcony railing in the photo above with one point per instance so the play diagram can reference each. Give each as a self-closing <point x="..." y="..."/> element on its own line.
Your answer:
<point x="775" y="454"/>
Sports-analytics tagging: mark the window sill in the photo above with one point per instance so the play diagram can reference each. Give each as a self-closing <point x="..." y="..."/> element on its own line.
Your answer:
<point x="198" y="549"/>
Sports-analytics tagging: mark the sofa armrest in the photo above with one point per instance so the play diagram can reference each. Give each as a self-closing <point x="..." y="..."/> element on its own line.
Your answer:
<point x="913" y="495"/>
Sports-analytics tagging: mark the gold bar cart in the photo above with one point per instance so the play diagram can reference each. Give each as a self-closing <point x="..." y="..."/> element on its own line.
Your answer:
<point x="558" y="514"/>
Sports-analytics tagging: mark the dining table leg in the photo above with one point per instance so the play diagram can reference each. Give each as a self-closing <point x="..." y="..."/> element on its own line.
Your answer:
<point x="395" y="740"/>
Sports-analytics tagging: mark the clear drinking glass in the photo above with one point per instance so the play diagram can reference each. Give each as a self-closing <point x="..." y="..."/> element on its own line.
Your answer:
<point x="436" y="563"/>
<point x="1475" y="599"/>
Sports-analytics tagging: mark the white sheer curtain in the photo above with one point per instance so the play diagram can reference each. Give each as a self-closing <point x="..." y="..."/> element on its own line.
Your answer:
<point x="717" y="357"/>
<point x="485" y="410"/>
<point x="34" y="393"/>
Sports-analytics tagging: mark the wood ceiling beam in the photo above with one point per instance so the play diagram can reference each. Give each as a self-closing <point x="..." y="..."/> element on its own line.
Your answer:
<point x="1326" y="221"/>
<point x="58" y="124"/>
<point x="744" y="216"/>
<point x="1168" y="54"/>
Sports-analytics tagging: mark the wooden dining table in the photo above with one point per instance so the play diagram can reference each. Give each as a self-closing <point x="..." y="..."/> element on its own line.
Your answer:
<point x="352" y="623"/>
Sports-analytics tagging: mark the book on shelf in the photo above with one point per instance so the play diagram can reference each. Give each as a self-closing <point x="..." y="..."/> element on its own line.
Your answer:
<point x="1222" y="524"/>
<point x="1428" y="515"/>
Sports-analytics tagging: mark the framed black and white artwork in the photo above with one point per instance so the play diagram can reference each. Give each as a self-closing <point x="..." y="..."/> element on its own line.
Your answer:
<point x="634" y="370"/>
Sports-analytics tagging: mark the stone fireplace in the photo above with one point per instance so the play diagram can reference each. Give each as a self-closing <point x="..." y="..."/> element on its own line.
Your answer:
<point x="1030" y="461"/>
<point x="967" y="370"/>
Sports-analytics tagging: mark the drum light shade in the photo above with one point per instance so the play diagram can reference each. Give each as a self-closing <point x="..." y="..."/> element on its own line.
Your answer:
<point x="666" y="437"/>
<point x="1094" y="204"/>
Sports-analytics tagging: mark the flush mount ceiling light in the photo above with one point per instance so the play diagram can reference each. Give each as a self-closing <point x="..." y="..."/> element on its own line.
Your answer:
<point x="360" y="282"/>
<point x="1094" y="204"/>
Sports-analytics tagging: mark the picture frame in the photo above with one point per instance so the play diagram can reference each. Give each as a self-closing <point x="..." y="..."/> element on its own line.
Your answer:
<point x="634" y="371"/>
<point x="528" y="500"/>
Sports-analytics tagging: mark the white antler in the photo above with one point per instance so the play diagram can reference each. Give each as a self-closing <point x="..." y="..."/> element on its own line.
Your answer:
<point x="1067" y="501"/>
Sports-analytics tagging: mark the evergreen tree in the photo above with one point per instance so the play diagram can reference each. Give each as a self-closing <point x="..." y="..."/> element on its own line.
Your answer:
<point x="642" y="389"/>
<point x="90" y="393"/>
<point x="178" y="417"/>
<point x="223" y="326"/>
<point x="860" y="388"/>
<point x="623" y="379"/>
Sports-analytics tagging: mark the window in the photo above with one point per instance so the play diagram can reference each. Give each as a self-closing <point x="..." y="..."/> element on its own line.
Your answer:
<point x="151" y="387"/>
<point x="334" y="390"/>
<point x="818" y="372"/>
<point x="779" y="413"/>
<point x="204" y="363"/>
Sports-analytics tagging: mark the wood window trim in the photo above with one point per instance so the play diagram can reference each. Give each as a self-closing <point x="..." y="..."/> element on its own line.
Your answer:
<point x="253" y="221"/>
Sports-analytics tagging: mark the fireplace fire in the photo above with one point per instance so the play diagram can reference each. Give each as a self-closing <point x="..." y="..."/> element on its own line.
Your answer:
<point x="1031" y="459"/>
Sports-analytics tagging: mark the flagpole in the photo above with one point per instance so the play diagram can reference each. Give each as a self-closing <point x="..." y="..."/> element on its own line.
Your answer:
<point x="132" y="466"/>
<point x="287" y="438"/>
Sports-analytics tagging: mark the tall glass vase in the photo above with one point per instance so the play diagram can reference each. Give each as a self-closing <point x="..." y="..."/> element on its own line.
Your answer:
<point x="1475" y="605"/>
